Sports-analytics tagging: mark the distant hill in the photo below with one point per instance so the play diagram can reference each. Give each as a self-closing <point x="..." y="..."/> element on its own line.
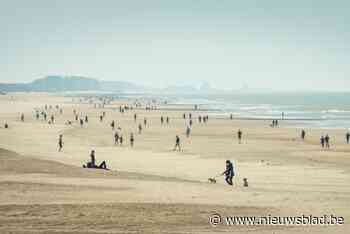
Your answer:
<point x="69" y="83"/>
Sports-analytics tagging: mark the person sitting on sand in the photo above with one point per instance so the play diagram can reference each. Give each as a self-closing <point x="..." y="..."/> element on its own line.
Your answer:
<point x="347" y="137"/>
<point x="92" y="163"/>
<point x="177" y="143"/>
<point x="229" y="172"/>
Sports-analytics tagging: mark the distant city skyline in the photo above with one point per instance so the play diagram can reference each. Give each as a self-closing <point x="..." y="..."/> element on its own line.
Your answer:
<point x="266" y="45"/>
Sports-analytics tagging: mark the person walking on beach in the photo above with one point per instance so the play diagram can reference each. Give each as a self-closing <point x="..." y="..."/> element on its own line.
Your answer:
<point x="347" y="137"/>
<point x="60" y="143"/>
<point x="167" y="120"/>
<point x="303" y="133"/>
<point x="135" y="117"/>
<point x="52" y="119"/>
<point x="140" y="128"/>
<point x="188" y="131"/>
<point x="81" y="123"/>
<point x="145" y="122"/>
<point x="327" y="139"/>
<point x="116" y="138"/>
<point x="86" y="119"/>
<point x="322" y="140"/>
<point x="191" y="122"/>
<point x="121" y="140"/>
<point x="113" y="125"/>
<point x="22" y="117"/>
<point x="177" y="143"/>
<point x="239" y="134"/>
<point x="132" y="140"/>
<point x="161" y="120"/>
<point x="229" y="172"/>
<point x="184" y="116"/>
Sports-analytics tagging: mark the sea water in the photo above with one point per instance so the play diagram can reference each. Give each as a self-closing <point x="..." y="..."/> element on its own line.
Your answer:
<point x="314" y="110"/>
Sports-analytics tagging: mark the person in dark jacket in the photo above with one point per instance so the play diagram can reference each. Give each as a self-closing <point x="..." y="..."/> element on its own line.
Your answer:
<point x="229" y="172"/>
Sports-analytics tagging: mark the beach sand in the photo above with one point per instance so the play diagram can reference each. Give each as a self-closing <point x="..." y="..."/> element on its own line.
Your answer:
<point x="152" y="189"/>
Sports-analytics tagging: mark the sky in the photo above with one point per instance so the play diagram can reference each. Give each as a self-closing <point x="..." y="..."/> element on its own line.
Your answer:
<point x="263" y="45"/>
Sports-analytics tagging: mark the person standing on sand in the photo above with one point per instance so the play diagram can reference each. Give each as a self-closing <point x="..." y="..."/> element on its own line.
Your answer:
<point x="145" y="122"/>
<point x="116" y="138"/>
<point x="347" y="137"/>
<point x="303" y="133"/>
<point x="327" y="139"/>
<point x="229" y="172"/>
<point x="113" y="125"/>
<point x="167" y="120"/>
<point x="132" y="140"/>
<point x="60" y="143"/>
<point x="22" y="117"/>
<point x="135" y="117"/>
<point x="177" y="143"/>
<point x="140" y="128"/>
<point x="322" y="141"/>
<point x="188" y="131"/>
<point x="121" y="140"/>
<point x="239" y="134"/>
<point x="161" y="120"/>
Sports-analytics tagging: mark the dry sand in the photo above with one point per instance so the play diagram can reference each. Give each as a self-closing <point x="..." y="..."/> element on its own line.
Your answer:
<point x="152" y="189"/>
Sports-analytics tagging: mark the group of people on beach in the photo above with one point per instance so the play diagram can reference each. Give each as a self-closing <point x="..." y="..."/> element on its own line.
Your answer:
<point x="229" y="172"/>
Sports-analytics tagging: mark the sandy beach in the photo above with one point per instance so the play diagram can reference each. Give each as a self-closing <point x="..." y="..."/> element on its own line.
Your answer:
<point x="152" y="189"/>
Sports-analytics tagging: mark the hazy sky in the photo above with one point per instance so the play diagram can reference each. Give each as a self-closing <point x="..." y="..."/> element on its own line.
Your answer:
<point x="266" y="44"/>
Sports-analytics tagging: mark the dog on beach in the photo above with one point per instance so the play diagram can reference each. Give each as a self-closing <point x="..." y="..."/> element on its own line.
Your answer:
<point x="212" y="180"/>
